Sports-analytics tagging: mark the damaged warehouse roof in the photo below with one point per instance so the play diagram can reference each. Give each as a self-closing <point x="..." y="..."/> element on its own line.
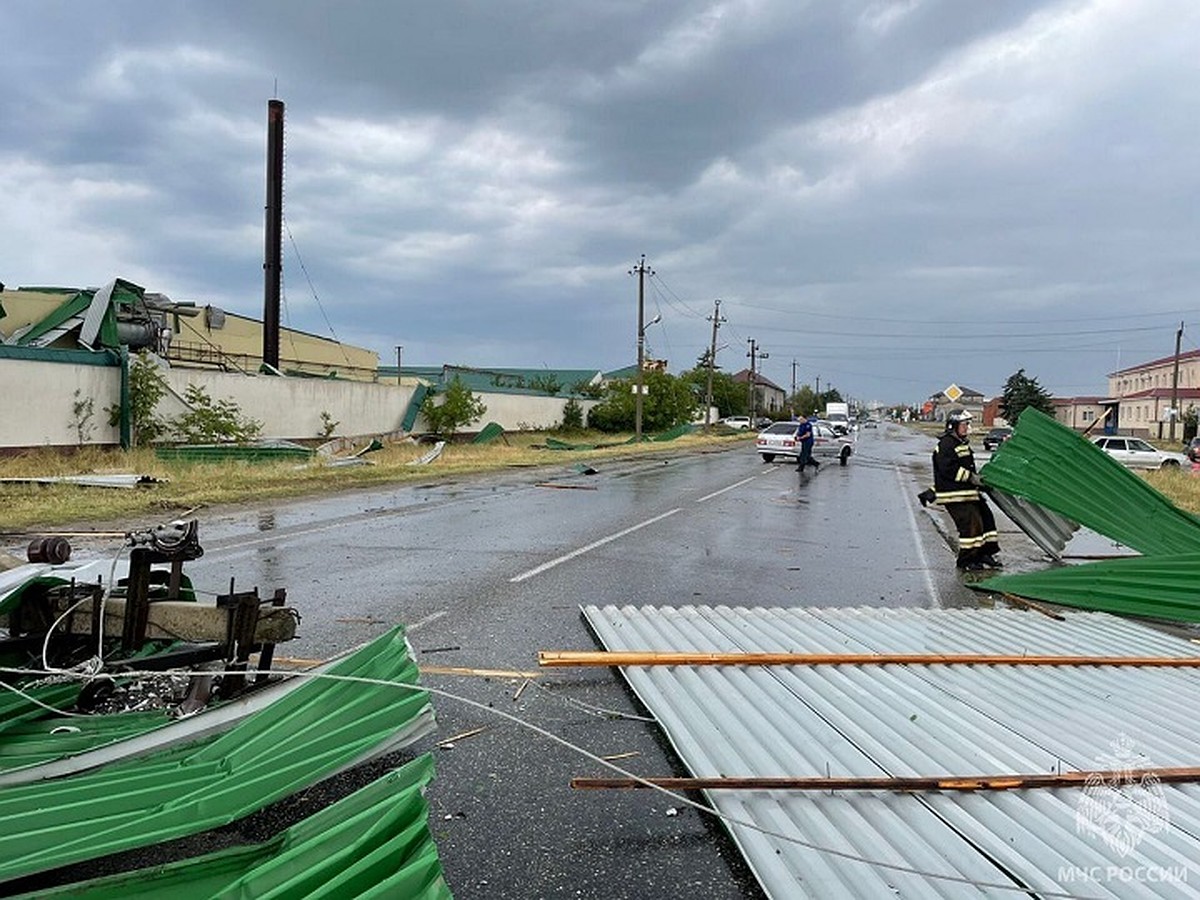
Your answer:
<point x="908" y="720"/>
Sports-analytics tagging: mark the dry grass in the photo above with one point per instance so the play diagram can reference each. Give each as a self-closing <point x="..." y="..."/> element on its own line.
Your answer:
<point x="192" y="485"/>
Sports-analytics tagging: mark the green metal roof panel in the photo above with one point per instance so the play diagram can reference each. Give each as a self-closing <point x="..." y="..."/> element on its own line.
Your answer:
<point x="1160" y="587"/>
<point x="490" y="432"/>
<point x="1059" y="469"/>
<point x="319" y="729"/>
<point x="414" y="407"/>
<point x="375" y="842"/>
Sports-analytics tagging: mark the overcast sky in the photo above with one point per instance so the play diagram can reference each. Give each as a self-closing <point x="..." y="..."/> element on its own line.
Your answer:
<point x="893" y="194"/>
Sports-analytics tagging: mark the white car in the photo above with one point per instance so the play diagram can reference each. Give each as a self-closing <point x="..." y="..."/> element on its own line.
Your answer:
<point x="780" y="440"/>
<point x="739" y="422"/>
<point x="1134" y="453"/>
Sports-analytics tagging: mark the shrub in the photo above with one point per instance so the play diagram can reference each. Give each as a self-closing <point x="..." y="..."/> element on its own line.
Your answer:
<point x="458" y="407"/>
<point x="209" y="421"/>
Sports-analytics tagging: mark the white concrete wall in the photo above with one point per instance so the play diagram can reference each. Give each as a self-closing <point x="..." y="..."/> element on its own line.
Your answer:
<point x="291" y="407"/>
<point x="36" y="400"/>
<point x="515" y="412"/>
<point x="36" y="403"/>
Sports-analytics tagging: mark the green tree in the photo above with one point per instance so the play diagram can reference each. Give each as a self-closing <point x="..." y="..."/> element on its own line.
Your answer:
<point x="1022" y="392"/>
<point x="209" y="421"/>
<point x="548" y="383"/>
<point x="459" y="407"/>
<point x="572" y="418"/>
<point x="146" y="387"/>
<point x="668" y="401"/>
<point x="729" y="397"/>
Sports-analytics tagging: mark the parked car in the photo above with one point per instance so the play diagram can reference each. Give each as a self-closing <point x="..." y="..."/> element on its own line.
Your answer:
<point x="1193" y="450"/>
<point x="780" y="440"/>
<point x="741" y="422"/>
<point x="1134" y="453"/>
<point x="995" y="438"/>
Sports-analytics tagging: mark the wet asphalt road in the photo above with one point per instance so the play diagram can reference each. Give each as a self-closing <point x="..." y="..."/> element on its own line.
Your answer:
<point x="486" y="571"/>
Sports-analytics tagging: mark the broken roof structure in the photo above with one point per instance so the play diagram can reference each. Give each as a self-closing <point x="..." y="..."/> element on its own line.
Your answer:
<point x="1047" y="479"/>
<point x="366" y="705"/>
<point x="373" y="843"/>
<point x="891" y="720"/>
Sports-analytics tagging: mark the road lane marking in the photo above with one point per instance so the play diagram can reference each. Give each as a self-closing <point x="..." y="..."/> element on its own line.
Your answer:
<point x="724" y="489"/>
<point x="428" y="620"/>
<point x="592" y="546"/>
<point x="916" y="532"/>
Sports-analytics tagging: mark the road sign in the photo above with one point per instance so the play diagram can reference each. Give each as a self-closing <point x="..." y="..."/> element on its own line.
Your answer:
<point x="953" y="392"/>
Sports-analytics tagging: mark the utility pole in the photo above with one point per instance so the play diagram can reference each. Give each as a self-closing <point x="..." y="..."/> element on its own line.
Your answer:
<point x="754" y="354"/>
<point x="750" y="381"/>
<point x="793" y="394"/>
<point x="716" y="319"/>
<point x="641" y="270"/>
<point x="1175" y="383"/>
<point x="399" y="352"/>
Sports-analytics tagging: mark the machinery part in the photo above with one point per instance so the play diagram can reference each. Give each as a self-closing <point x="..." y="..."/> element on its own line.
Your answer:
<point x="52" y="550"/>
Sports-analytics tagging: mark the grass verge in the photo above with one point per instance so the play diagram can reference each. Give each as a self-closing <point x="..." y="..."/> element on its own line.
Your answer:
<point x="187" y="486"/>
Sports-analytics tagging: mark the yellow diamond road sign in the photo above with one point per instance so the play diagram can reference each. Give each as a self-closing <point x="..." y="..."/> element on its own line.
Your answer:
<point x="953" y="392"/>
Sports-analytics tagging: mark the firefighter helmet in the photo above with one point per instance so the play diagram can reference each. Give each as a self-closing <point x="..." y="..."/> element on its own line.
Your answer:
<point x="957" y="417"/>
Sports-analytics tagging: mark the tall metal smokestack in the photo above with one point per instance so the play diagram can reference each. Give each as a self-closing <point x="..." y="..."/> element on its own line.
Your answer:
<point x="273" y="255"/>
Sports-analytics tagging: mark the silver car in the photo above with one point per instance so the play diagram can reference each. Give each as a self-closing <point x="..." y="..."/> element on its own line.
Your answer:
<point x="1134" y="453"/>
<point x="780" y="440"/>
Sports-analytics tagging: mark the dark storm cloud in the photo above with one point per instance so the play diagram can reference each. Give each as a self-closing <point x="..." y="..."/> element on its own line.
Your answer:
<point x="881" y="190"/>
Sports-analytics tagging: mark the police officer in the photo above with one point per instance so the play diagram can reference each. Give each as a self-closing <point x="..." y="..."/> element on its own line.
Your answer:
<point x="956" y="486"/>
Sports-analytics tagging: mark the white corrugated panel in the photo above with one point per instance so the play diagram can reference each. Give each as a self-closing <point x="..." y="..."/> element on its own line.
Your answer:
<point x="894" y="720"/>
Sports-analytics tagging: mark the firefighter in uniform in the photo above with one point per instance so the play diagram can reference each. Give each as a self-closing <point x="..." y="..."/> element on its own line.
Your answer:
<point x="956" y="486"/>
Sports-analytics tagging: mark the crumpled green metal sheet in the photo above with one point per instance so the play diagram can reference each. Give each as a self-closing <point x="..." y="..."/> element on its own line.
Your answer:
<point x="374" y="842"/>
<point x="1051" y="465"/>
<point x="672" y="433"/>
<point x="317" y="730"/>
<point x="1160" y="587"/>
<point x="490" y="432"/>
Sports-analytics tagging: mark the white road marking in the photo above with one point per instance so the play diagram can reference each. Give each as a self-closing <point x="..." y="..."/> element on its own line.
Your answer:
<point x="912" y="518"/>
<point x="592" y="546"/>
<point x="428" y="620"/>
<point x="724" y="489"/>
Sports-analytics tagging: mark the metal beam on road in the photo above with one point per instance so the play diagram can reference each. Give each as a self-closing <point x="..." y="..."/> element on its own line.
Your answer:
<point x="912" y="783"/>
<point x="565" y="658"/>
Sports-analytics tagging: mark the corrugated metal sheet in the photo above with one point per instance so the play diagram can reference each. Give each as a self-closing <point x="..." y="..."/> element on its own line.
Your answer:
<point x="1057" y="468"/>
<point x="1160" y="587"/>
<point x="375" y="842"/>
<point x="922" y="720"/>
<point x="36" y="744"/>
<point x="1046" y="528"/>
<point x="319" y="729"/>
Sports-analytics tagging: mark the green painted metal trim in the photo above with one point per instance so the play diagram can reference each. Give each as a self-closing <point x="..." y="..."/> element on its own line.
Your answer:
<point x="125" y="420"/>
<point x="375" y="840"/>
<point x="1059" y="469"/>
<point x="1159" y="587"/>
<point x="81" y="357"/>
<point x="319" y="729"/>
